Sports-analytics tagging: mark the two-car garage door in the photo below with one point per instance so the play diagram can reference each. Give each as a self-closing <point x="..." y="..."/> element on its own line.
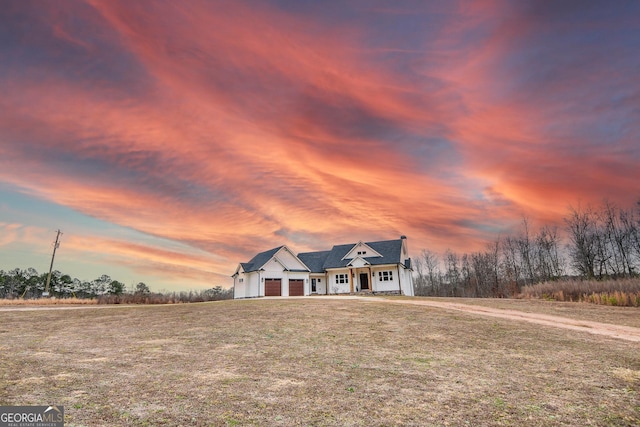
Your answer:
<point x="273" y="287"/>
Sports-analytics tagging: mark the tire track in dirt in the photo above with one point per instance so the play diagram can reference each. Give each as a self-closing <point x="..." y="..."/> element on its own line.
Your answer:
<point x="626" y="333"/>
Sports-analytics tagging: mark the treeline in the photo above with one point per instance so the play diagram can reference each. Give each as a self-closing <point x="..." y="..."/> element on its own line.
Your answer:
<point x="213" y="294"/>
<point x="600" y="242"/>
<point x="29" y="284"/>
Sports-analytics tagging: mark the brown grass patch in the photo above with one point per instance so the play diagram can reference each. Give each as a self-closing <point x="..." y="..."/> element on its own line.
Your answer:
<point x="626" y="316"/>
<point x="312" y="362"/>
<point x="621" y="292"/>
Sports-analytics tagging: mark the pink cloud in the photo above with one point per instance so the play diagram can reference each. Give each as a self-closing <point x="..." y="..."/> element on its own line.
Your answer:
<point x="235" y="127"/>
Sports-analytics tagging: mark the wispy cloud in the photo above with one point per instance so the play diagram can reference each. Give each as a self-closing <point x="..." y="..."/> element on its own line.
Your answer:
<point x="232" y="127"/>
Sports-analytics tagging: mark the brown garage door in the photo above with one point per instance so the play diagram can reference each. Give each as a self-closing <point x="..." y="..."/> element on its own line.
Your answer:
<point x="296" y="288"/>
<point x="272" y="288"/>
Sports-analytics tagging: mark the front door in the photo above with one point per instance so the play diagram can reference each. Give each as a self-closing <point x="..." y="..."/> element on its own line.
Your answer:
<point x="364" y="281"/>
<point x="313" y="286"/>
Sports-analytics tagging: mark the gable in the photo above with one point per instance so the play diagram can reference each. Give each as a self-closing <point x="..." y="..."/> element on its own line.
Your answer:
<point x="239" y="270"/>
<point x="259" y="260"/>
<point x="273" y="265"/>
<point x="358" y="262"/>
<point x="363" y="250"/>
<point x="289" y="260"/>
<point x="388" y="252"/>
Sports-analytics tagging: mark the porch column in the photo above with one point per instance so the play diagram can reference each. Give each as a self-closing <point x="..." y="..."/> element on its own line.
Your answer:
<point x="350" y="281"/>
<point x="326" y="283"/>
<point x="370" y="280"/>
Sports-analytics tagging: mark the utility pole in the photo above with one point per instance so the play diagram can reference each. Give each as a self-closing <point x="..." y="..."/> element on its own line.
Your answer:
<point x="56" y="245"/>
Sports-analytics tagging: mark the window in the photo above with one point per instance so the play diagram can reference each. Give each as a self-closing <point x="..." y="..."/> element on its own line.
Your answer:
<point x="342" y="278"/>
<point x="385" y="276"/>
<point x="241" y="280"/>
<point x="362" y="252"/>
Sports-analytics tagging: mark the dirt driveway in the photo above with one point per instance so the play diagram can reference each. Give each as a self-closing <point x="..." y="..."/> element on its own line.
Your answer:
<point x="627" y="333"/>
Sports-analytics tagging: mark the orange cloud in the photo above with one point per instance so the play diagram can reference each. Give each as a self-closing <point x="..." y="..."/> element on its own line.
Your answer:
<point x="231" y="128"/>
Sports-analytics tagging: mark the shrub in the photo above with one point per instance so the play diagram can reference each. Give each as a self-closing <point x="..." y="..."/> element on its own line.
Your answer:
<point x="623" y="292"/>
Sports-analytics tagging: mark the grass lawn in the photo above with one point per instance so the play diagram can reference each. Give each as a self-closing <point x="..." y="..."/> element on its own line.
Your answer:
<point x="627" y="316"/>
<point x="312" y="362"/>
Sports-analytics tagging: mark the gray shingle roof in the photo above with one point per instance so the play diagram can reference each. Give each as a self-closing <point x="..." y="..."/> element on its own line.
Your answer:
<point x="314" y="260"/>
<point x="389" y="249"/>
<point x="259" y="260"/>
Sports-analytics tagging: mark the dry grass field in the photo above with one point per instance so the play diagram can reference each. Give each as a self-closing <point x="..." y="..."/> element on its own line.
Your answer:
<point x="313" y="362"/>
<point x="627" y="316"/>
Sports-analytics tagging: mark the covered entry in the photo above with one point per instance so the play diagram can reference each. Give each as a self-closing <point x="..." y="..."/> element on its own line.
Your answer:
<point x="272" y="287"/>
<point x="296" y="287"/>
<point x="364" y="281"/>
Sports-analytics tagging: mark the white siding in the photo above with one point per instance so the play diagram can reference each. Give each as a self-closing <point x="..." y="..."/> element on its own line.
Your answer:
<point x="290" y="261"/>
<point x="253" y="285"/>
<point x="249" y="287"/>
<point x="366" y="251"/>
<point x="338" y="288"/>
<point x="407" y="282"/>
<point x="273" y="266"/>
<point x="238" y="287"/>
<point x="321" y="285"/>
<point x="386" y="285"/>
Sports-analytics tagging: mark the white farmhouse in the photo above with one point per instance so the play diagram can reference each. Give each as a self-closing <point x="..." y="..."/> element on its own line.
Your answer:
<point x="373" y="267"/>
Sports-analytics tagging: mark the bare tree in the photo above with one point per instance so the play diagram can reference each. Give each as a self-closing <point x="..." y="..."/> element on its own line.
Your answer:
<point x="634" y="231"/>
<point x="493" y="268"/>
<point x="526" y="252"/>
<point x="452" y="271"/>
<point x="431" y="263"/>
<point x="583" y="245"/>
<point x="420" y="278"/>
<point x="511" y="265"/>
<point x="618" y="233"/>
<point x="428" y="276"/>
<point x="485" y="272"/>
<point x="548" y="261"/>
<point x="467" y="283"/>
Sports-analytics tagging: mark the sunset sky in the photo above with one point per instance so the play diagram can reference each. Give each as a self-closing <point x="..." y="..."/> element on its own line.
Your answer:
<point x="170" y="140"/>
